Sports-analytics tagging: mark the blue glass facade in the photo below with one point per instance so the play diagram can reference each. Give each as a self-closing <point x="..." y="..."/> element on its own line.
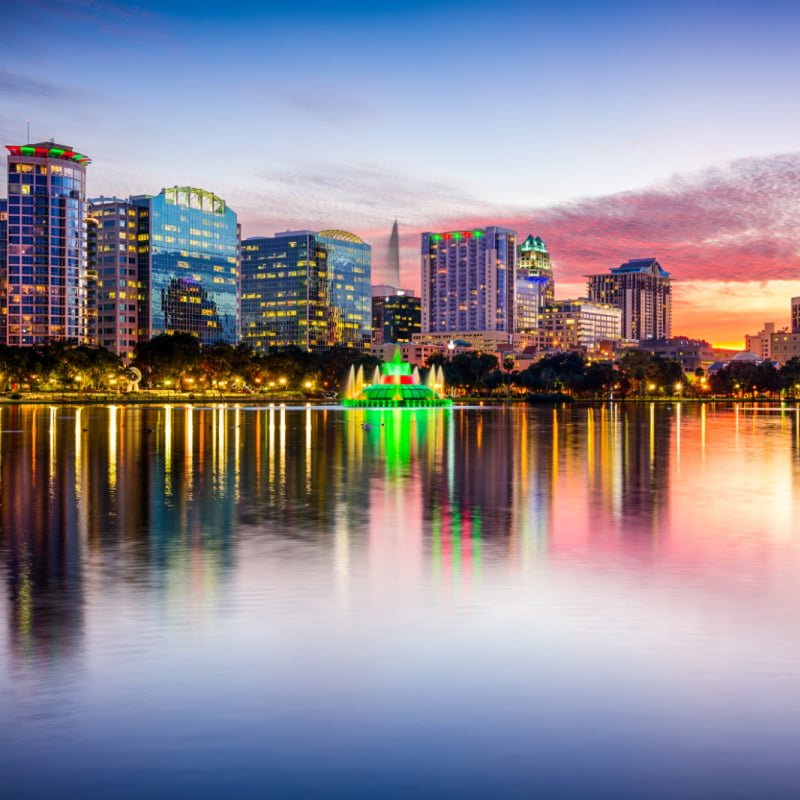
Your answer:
<point x="350" y="270"/>
<point x="188" y="256"/>
<point x="44" y="281"/>
<point x="306" y="289"/>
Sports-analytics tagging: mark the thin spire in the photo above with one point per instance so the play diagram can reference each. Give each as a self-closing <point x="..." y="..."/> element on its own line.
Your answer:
<point x="393" y="259"/>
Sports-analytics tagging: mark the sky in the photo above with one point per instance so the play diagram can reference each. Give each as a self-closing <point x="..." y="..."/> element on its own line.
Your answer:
<point x="613" y="130"/>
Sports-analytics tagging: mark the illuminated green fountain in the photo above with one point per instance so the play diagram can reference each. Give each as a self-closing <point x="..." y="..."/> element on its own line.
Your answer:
<point x="399" y="387"/>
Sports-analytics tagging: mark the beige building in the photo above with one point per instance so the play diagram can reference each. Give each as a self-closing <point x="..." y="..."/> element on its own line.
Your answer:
<point x="413" y="353"/>
<point x="578" y="325"/>
<point x="761" y="343"/>
<point x="484" y="341"/>
<point x="784" y="346"/>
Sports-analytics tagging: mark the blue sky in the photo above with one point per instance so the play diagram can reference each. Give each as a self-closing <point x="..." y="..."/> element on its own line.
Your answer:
<point x="349" y="114"/>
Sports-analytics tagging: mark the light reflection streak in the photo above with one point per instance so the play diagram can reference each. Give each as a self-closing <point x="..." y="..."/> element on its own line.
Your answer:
<point x="282" y="452"/>
<point x="168" y="450"/>
<point x="188" y="446"/>
<point x="271" y="445"/>
<point x="652" y="437"/>
<point x="237" y="431"/>
<point x="703" y="422"/>
<point x="308" y="448"/>
<point x="51" y="462"/>
<point x="112" y="449"/>
<point x="82" y="507"/>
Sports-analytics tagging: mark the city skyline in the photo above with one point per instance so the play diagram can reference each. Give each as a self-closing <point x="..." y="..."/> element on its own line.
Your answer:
<point x="689" y="157"/>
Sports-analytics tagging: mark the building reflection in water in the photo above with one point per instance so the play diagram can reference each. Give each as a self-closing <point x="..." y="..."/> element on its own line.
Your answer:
<point x="167" y="494"/>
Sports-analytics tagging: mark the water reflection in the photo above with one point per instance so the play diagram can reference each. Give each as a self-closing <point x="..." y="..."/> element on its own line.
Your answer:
<point x="180" y="506"/>
<point x="448" y="488"/>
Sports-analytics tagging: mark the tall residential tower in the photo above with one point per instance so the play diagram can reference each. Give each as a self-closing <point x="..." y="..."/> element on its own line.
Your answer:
<point x="43" y="285"/>
<point x="641" y="289"/>
<point x="468" y="281"/>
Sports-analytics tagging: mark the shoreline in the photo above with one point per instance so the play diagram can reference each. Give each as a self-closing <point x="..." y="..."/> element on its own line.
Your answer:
<point x="98" y="398"/>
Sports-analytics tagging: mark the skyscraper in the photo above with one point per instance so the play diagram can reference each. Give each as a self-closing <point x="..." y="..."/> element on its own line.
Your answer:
<point x="350" y="274"/>
<point x="468" y="280"/>
<point x="188" y="265"/>
<point x="533" y="261"/>
<point x="113" y="254"/>
<point x="306" y="289"/>
<point x="43" y="285"/>
<point x="641" y="289"/>
<point x="393" y="257"/>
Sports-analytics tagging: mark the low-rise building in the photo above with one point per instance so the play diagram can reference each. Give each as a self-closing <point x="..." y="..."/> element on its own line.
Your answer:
<point x="784" y="346"/>
<point x="692" y="353"/>
<point x="411" y="352"/>
<point x="760" y="343"/>
<point x="578" y="325"/>
<point x="484" y="341"/>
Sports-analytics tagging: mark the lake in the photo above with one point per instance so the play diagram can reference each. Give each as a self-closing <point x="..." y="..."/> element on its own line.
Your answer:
<point x="235" y="601"/>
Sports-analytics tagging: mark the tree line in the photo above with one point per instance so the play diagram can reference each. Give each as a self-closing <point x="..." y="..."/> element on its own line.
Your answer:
<point x="177" y="362"/>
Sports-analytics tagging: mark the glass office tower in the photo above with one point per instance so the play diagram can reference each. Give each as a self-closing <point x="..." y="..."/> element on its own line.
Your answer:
<point x="306" y="289"/>
<point x="44" y="280"/>
<point x="188" y="253"/>
<point x="350" y="275"/>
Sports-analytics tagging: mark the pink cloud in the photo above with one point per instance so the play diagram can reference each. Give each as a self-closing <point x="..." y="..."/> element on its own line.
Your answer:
<point x="738" y="222"/>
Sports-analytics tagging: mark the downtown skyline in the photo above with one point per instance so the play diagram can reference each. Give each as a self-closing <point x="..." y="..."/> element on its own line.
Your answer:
<point x="612" y="134"/>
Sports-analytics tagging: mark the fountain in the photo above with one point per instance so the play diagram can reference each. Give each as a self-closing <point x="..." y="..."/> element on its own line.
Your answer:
<point x="399" y="387"/>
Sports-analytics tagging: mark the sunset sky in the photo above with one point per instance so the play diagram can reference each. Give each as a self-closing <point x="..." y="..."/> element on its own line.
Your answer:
<point x="613" y="130"/>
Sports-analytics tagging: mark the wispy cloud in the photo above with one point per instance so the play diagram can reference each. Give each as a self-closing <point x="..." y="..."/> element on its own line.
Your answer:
<point x="736" y="222"/>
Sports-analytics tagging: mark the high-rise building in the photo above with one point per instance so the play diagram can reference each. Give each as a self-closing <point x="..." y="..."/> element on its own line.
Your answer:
<point x="306" y="289"/>
<point x="468" y="280"/>
<point x="796" y="315"/>
<point x="113" y="255"/>
<point x="578" y="325"/>
<point x="393" y="257"/>
<point x="641" y="289"/>
<point x="3" y="268"/>
<point x="529" y="300"/>
<point x="188" y="265"/>
<point x="91" y="281"/>
<point x="43" y="286"/>
<point x="533" y="261"/>
<point x="350" y="269"/>
<point x="396" y="315"/>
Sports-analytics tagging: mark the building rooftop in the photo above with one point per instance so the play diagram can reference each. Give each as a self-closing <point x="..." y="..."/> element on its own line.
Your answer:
<point x="342" y="236"/>
<point x="48" y="150"/>
<point x="641" y="266"/>
<point x="533" y="243"/>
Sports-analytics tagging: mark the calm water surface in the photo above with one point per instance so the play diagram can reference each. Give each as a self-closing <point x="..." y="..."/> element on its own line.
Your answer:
<point x="264" y="602"/>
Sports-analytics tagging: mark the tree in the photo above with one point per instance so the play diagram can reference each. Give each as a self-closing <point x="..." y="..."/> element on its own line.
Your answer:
<point x="172" y="357"/>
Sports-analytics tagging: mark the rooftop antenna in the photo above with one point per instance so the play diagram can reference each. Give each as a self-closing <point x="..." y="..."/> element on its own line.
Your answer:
<point x="28" y="124"/>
